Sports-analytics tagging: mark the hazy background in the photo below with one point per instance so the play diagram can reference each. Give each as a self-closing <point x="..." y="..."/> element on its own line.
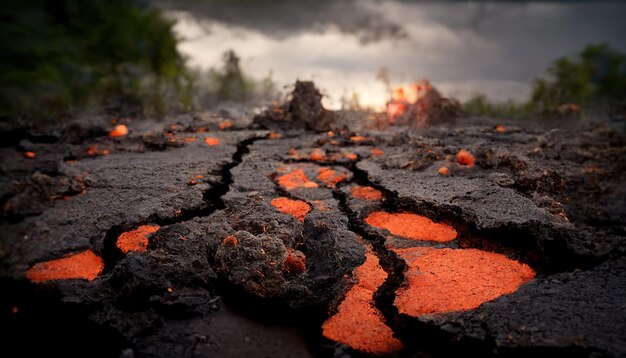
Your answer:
<point x="464" y="48"/>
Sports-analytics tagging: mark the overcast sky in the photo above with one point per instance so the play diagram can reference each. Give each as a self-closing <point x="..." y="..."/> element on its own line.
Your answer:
<point x="462" y="47"/>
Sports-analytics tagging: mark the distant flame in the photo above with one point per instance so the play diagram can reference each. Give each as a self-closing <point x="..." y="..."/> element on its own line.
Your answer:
<point x="404" y="97"/>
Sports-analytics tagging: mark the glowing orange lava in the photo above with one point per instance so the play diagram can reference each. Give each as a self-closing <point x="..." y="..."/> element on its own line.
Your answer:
<point x="446" y="280"/>
<point x="295" y="179"/>
<point x="225" y="124"/>
<point x="135" y="240"/>
<point x="296" y="208"/>
<point x="357" y="138"/>
<point x="211" y="142"/>
<point x="377" y="151"/>
<point x="404" y="96"/>
<point x="190" y="139"/>
<point x="29" y="155"/>
<point x="500" y="128"/>
<point x="411" y="226"/>
<point x="443" y="171"/>
<point x="119" y="130"/>
<point x="86" y="265"/>
<point x="230" y="241"/>
<point x="295" y="262"/>
<point x="330" y="177"/>
<point x="358" y="323"/>
<point x="465" y="158"/>
<point x="317" y="155"/>
<point x="366" y="192"/>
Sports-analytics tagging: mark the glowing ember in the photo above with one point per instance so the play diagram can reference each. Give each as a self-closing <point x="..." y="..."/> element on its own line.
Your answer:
<point x="296" y="208"/>
<point x="330" y="177"/>
<point x="225" y="124"/>
<point x="190" y="139"/>
<point x="465" y="158"/>
<point x="135" y="240"/>
<point x="294" y="263"/>
<point x="86" y="265"/>
<point x="377" y="151"/>
<point x="29" y="155"/>
<point x="412" y="226"/>
<point x="404" y="97"/>
<point x="443" y="171"/>
<point x="366" y="192"/>
<point x="230" y="241"/>
<point x="296" y="179"/>
<point x="446" y="280"/>
<point x="500" y="128"/>
<point x="351" y="156"/>
<point x="357" y="322"/>
<point x="317" y="155"/>
<point x="274" y="135"/>
<point x="211" y="141"/>
<point x="119" y="130"/>
<point x="357" y="138"/>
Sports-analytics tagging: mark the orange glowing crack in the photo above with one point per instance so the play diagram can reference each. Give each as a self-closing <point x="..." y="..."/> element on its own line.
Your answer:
<point x="366" y="192"/>
<point x="357" y="322"/>
<point x="330" y="177"/>
<point x="412" y="226"/>
<point x="211" y="141"/>
<point x="377" y="151"/>
<point x="295" y="179"/>
<point x="447" y="280"/>
<point x="136" y="240"/>
<point x="119" y="130"/>
<point x="465" y="158"/>
<point x="296" y="208"/>
<point x="357" y="138"/>
<point x="86" y="265"/>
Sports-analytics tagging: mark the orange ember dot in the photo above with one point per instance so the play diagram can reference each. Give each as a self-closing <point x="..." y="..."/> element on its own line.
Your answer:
<point x="105" y="152"/>
<point x="358" y="323"/>
<point x="500" y="128"/>
<point x="84" y="264"/>
<point x="296" y="208"/>
<point x="465" y="158"/>
<point x="295" y="262"/>
<point x="210" y="141"/>
<point x="330" y="177"/>
<point x="274" y="135"/>
<point x="377" y="151"/>
<point x="92" y="150"/>
<point x="350" y="156"/>
<point x="225" y="124"/>
<point x="15" y="310"/>
<point x="357" y="138"/>
<point x="192" y="181"/>
<point x="190" y="139"/>
<point x="199" y="176"/>
<point x="120" y="130"/>
<point x="29" y="155"/>
<point x="317" y="155"/>
<point x="443" y="171"/>
<point x="230" y="241"/>
<point x="411" y="226"/>
<point x="201" y="130"/>
<point x="295" y="179"/>
<point x="446" y="280"/>
<point x="136" y="240"/>
<point x="366" y="192"/>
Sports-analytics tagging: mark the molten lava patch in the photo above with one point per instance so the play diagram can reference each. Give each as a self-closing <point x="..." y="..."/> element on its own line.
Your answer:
<point x="377" y="151"/>
<point x="366" y="192"/>
<point x="86" y="265"/>
<point x="317" y="155"/>
<point x="296" y="208"/>
<point x="465" y="158"/>
<point x="119" y="130"/>
<point x="136" y="240"/>
<point x="211" y="141"/>
<point x="29" y="155"/>
<point x="443" y="171"/>
<point x="411" y="226"/>
<point x="294" y="263"/>
<point x="295" y="179"/>
<point x="330" y="177"/>
<point x="446" y="280"/>
<point x="358" y="323"/>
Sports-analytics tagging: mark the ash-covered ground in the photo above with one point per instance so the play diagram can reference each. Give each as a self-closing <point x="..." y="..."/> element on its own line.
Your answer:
<point x="305" y="232"/>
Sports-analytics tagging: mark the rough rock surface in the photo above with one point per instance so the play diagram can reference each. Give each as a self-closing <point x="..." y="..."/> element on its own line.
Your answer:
<point x="227" y="273"/>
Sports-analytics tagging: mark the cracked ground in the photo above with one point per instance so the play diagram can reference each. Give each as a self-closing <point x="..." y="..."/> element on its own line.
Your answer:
<point x="309" y="234"/>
